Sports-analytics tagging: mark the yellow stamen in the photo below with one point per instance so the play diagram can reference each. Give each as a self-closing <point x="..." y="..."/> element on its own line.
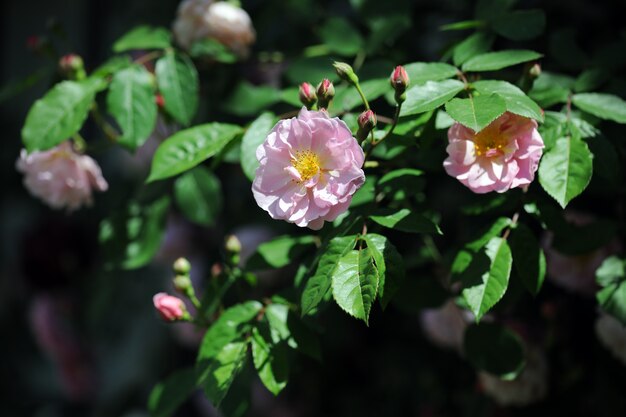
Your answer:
<point x="491" y="138"/>
<point x="307" y="163"/>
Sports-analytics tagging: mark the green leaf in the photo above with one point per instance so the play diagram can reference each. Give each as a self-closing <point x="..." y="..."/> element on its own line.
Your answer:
<point x="232" y="324"/>
<point x="318" y="285"/>
<point x="406" y="220"/>
<point x="216" y="375"/>
<point x="420" y="72"/>
<point x="341" y="37"/>
<point x="422" y="98"/>
<point x="279" y="252"/>
<point x="492" y="9"/>
<point x="355" y="283"/>
<point x="131" y="101"/>
<point x="495" y="349"/>
<point x="550" y="89"/>
<point x="492" y="61"/>
<point x="476" y="112"/>
<point x="170" y="394"/>
<point x="285" y="326"/>
<point x="390" y="266"/>
<point x="59" y="114"/>
<point x="482" y="292"/>
<point x="248" y="99"/>
<point x="611" y="271"/>
<point x="18" y="85"/>
<point x="463" y="25"/>
<point x="516" y="101"/>
<point x="520" y="25"/>
<point x="187" y="148"/>
<point x="143" y="37"/>
<point x="111" y="66"/>
<point x="565" y="170"/>
<point x="348" y="98"/>
<point x="199" y="195"/>
<point x="178" y="83"/>
<point x="252" y="139"/>
<point x="476" y="44"/>
<point x="529" y="260"/>
<point x="270" y="360"/>
<point x="591" y="79"/>
<point x="132" y="237"/>
<point x="604" y="106"/>
<point x="211" y="48"/>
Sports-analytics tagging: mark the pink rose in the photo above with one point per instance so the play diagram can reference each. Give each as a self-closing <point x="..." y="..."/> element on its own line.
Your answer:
<point x="201" y="19"/>
<point x="61" y="177"/>
<point x="170" y="308"/>
<point x="310" y="167"/>
<point x="502" y="156"/>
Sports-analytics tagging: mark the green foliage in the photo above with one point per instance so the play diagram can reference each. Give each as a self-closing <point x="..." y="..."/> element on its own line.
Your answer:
<point x="565" y="169"/>
<point x="168" y="395"/>
<point x="270" y="360"/>
<point x="432" y="94"/>
<point x="515" y="100"/>
<point x="189" y="147"/>
<point x="59" y="114"/>
<point x="492" y="61"/>
<point x="341" y="37"/>
<point x="604" y="106"/>
<point x="476" y="112"/>
<point x="198" y="194"/>
<point x="178" y="83"/>
<point x="405" y="220"/>
<point x="143" y="37"/>
<point x="279" y="252"/>
<point x="495" y="349"/>
<point x="421" y="72"/>
<point x="612" y="296"/>
<point x="210" y="48"/>
<point x="131" y="101"/>
<point x="529" y="260"/>
<point x="131" y="237"/>
<point x="355" y="283"/>
<point x="254" y="136"/>
<point x="476" y="44"/>
<point x="390" y="266"/>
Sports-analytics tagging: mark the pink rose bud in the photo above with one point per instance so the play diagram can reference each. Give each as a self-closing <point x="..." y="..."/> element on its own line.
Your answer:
<point x="325" y="93"/>
<point x="310" y="167"/>
<point x="170" y="308"/>
<point x="367" y="122"/>
<point x="502" y="156"/>
<point x="216" y="270"/>
<point x="399" y="79"/>
<point x="61" y="177"/>
<point x="307" y="95"/>
<point x="70" y="62"/>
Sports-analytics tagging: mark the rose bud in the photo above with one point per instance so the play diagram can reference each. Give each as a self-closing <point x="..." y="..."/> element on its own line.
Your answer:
<point x="307" y="95"/>
<point x="346" y="72"/>
<point x="181" y="266"/>
<point x="170" y="308"/>
<point x="72" y="66"/>
<point x="367" y="122"/>
<point x="325" y="93"/>
<point x="159" y="100"/>
<point x="399" y="81"/>
<point x="535" y="71"/>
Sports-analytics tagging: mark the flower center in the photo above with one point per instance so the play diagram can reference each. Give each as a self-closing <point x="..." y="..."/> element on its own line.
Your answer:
<point x="490" y="141"/>
<point x="307" y="163"/>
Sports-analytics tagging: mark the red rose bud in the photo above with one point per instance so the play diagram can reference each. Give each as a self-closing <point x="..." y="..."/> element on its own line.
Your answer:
<point x="399" y="79"/>
<point x="307" y="95"/>
<point x="72" y="66"/>
<point x="346" y="72"/>
<point x="159" y="100"/>
<point x="170" y="308"/>
<point x="325" y="93"/>
<point x="367" y="122"/>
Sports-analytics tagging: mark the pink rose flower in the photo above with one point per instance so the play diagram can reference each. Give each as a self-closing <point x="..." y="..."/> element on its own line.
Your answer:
<point x="502" y="156"/>
<point x="170" y="308"/>
<point x="310" y="167"/>
<point x="61" y="177"/>
<point x="201" y="19"/>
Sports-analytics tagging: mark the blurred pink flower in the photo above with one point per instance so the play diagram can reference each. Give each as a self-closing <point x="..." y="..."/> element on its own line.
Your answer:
<point x="201" y="19"/>
<point x="445" y="326"/>
<point x="502" y="156"/>
<point x="310" y="167"/>
<point x="170" y="308"/>
<point x="529" y="387"/>
<point x="61" y="177"/>
<point x="612" y="334"/>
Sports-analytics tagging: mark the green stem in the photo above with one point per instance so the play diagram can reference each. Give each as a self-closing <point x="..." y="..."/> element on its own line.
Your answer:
<point x="108" y="130"/>
<point x="374" y="143"/>
<point x="365" y="102"/>
<point x="79" y="142"/>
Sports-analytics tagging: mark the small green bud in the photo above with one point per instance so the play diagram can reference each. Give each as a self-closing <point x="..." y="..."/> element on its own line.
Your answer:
<point x="233" y="245"/>
<point x="182" y="283"/>
<point x="346" y="72"/>
<point x="182" y="266"/>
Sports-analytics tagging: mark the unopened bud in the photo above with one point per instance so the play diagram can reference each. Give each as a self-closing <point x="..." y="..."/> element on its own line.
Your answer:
<point x="346" y="72"/>
<point x="159" y="100"/>
<point x="216" y="270"/>
<point x="399" y="81"/>
<point x="182" y="284"/>
<point x="367" y="122"/>
<point x="170" y="308"/>
<point x="325" y="93"/>
<point x="307" y="95"/>
<point x="182" y="266"/>
<point x="233" y="245"/>
<point x="72" y="66"/>
<point x="535" y="71"/>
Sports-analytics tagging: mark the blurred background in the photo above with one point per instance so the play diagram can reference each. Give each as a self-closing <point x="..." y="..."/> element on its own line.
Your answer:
<point x="80" y="339"/>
